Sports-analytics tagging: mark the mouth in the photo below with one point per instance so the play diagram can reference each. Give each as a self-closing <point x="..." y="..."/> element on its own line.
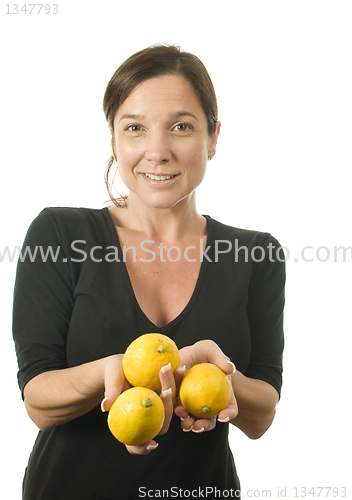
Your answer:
<point x="160" y="179"/>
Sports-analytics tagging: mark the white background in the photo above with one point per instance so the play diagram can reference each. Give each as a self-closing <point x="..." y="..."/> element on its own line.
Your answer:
<point x="282" y="72"/>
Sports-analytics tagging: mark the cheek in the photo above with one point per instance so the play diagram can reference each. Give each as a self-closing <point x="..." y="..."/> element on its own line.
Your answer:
<point x="195" y="152"/>
<point x="126" y="153"/>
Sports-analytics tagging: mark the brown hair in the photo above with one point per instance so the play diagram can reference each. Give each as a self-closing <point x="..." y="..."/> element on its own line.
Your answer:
<point x="148" y="63"/>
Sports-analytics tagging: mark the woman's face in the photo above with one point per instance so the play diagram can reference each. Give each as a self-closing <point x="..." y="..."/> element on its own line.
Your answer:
<point x="161" y="141"/>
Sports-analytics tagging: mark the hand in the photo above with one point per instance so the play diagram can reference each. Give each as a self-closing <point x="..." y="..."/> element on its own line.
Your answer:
<point x="115" y="384"/>
<point x="206" y="351"/>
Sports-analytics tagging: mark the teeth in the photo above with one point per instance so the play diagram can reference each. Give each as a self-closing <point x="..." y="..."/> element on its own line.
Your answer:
<point x="159" y="177"/>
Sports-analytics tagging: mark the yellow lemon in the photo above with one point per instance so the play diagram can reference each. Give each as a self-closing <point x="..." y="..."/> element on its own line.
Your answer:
<point x="136" y="416"/>
<point x="205" y="390"/>
<point x="145" y="356"/>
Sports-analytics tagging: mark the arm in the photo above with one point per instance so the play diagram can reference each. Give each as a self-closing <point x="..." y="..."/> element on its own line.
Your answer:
<point x="44" y="296"/>
<point x="252" y="407"/>
<point x="257" y="392"/>
<point x="252" y="404"/>
<point x="256" y="402"/>
<point x="56" y="397"/>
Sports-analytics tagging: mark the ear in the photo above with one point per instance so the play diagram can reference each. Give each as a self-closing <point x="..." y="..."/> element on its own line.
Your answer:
<point x="213" y="141"/>
<point x="109" y="127"/>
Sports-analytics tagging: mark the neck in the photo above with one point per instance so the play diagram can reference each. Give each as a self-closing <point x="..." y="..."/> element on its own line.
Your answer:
<point x="167" y="224"/>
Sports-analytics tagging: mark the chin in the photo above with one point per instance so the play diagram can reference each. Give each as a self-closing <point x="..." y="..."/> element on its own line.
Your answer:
<point x="163" y="202"/>
<point x="161" y="205"/>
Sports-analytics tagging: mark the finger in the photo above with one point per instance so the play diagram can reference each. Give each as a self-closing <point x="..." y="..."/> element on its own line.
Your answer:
<point x="143" y="449"/>
<point x="179" y="373"/>
<point x="204" y="425"/>
<point x="230" y="412"/>
<point x="167" y="381"/>
<point x="181" y="411"/>
<point x="217" y="357"/>
<point x="187" y="423"/>
<point x="187" y="420"/>
<point x="114" y="382"/>
<point x="209" y="352"/>
<point x="166" y="397"/>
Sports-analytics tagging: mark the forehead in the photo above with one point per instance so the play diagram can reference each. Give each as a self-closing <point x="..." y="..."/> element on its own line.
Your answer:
<point x="167" y="92"/>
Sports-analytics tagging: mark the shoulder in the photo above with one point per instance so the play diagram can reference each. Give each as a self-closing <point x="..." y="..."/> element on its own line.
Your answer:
<point x="69" y="215"/>
<point x="255" y="250"/>
<point x="66" y="222"/>
<point x="240" y="236"/>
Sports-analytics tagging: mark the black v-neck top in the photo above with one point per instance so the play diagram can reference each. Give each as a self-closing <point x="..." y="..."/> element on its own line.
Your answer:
<point x="74" y="303"/>
<point x="119" y="255"/>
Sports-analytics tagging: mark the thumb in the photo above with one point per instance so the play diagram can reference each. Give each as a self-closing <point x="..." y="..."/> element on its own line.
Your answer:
<point x="114" y="382"/>
<point x="211" y="353"/>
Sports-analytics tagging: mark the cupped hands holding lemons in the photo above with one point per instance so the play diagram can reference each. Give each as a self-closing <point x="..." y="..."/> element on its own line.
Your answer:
<point x="205" y="387"/>
<point x="136" y="416"/>
<point x="139" y="413"/>
<point x="144" y="358"/>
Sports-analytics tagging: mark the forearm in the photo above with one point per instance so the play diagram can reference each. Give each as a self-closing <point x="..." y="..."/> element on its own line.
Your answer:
<point x="55" y="397"/>
<point x="256" y="404"/>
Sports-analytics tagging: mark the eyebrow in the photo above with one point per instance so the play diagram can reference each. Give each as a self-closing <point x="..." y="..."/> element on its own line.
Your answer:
<point x="178" y="114"/>
<point x="131" y="117"/>
<point x="182" y="113"/>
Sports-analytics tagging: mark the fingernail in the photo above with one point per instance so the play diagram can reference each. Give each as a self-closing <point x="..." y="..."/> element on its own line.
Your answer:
<point x="233" y="366"/>
<point x="102" y="405"/>
<point x="187" y="430"/>
<point x="224" y="420"/>
<point x="166" y="393"/>
<point x="197" y="432"/>
<point x="152" y="446"/>
<point x="188" y="416"/>
<point x="182" y="369"/>
<point x="166" y="368"/>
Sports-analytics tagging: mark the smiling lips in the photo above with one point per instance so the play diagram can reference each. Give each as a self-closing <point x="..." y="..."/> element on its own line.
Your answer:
<point x="159" y="177"/>
<point x="159" y="180"/>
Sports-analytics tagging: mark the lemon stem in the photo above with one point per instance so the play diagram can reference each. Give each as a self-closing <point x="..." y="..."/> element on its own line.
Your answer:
<point x="161" y="348"/>
<point x="147" y="403"/>
<point x="205" y="409"/>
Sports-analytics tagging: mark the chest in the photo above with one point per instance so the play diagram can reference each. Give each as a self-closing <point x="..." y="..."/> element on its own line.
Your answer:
<point x="163" y="282"/>
<point x="115" y="302"/>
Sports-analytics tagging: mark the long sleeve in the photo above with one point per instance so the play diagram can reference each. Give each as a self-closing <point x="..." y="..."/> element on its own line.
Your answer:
<point x="43" y="300"/>
<point x="265" y="313"/>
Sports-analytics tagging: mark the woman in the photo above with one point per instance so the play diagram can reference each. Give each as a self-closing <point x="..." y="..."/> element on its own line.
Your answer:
<point x="150" y="263"/>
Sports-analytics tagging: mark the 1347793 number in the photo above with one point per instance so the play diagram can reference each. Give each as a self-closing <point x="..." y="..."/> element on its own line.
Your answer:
<point x="32" y="8"/>
<point x="320" y="492"/>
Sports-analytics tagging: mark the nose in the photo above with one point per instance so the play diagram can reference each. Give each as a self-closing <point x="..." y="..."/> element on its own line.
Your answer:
<point x="158" y="149"/>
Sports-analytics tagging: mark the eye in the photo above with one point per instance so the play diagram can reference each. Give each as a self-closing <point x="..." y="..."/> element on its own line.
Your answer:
<point x="183" y="127"/>
<point x="133" y="128"/>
